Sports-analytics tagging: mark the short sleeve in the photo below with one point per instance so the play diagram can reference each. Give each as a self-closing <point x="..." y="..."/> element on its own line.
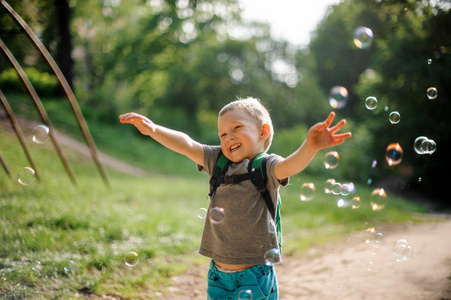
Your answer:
<point x="210" y="156"/>
<point x="271" y="163"/>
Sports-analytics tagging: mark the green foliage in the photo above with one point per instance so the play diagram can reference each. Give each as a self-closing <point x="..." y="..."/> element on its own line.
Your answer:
<point x="395" y="70"/>
<point x="44" y="83"/>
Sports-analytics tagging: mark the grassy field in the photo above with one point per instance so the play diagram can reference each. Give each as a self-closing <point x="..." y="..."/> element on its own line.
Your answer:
<point x="59" y="240"/>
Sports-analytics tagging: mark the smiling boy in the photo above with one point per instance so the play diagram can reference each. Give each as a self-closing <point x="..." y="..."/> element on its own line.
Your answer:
<point x="238" y="245"/>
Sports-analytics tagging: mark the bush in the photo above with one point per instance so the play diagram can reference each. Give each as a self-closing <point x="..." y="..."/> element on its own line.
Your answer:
<point x="44" y="83"/>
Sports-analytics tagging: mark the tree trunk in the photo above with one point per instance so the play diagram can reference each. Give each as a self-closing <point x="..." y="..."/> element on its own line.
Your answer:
<point x="64" y="44"/>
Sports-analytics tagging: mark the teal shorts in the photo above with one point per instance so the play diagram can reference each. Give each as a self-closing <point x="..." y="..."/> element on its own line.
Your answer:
<point x="256" y="283"/>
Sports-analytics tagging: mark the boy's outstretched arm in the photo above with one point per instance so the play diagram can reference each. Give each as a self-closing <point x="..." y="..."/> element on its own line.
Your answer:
<point x="320" y="136"/>
<point x="172" y="139"/>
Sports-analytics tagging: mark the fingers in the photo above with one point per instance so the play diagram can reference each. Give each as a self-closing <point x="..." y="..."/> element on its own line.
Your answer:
<point x="130" y="117"/>
<point x="338" y="126"/>
<point x="330" y="119"/>
<point x="342" y="136"/>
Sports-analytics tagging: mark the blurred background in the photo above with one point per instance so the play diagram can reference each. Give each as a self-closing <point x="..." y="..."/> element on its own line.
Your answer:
<point x="179" y="62"/>
<point x="384" y="65"/>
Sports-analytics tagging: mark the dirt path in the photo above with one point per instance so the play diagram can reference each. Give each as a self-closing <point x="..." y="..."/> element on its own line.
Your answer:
<point x="353" y="269"/>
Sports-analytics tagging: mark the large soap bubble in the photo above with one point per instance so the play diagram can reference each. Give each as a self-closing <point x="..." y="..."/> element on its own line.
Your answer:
<point x="363" y="36"/>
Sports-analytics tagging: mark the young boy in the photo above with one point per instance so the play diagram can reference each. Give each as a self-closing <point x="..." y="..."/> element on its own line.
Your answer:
<point x="237" y="245"/>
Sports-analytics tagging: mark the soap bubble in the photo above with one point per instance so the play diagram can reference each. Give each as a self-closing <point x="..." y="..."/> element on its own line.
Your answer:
<point x="423" y="145"/>
<point x="131" y="259"/>
<point x="245" y="295"/>
<point x="336" y="188"/>
<point x="417" y="144"/>
<point x="307" y="191"/>
<point x="328" y="185"/>
<point x="394" y="154"/>
<point x="36" y="266"/>
<point x="355" y="202"/>
<point x="202" y="213"/>
<point x="369" y="234"/>
<point x="40" y="134"/>
<point x="394" y="117"/>
<point x="216" y="215"/>
<point x="341" y="202"/>
<point x="370" y="266"/>
<point x="331" y="159"/>
<point x="272" y="256"/>
<point x="347" y="188"/>
<point x="363" y="36"/>
<point x="338" y="97"/>
<point x="379" y="238"/>
<point x="378" y="199"/>
<point x="431" y="147"/>
<point x="432" y="93"/>
<point x="68" y="266"/>
<point x="402" y="251"/>
<point x="374" y="164"/>
<point x="26" y="176"/>
<point x="371" y="103"/>
<point x="428" y="146"/>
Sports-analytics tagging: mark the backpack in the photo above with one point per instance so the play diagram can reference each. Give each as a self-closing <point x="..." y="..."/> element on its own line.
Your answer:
<point x="256" y="172"/>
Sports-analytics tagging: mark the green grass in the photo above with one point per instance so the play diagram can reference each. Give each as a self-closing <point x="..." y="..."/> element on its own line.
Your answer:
<point x="46" y="224"/>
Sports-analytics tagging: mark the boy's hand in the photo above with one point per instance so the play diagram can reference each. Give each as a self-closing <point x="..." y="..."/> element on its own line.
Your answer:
<point x="321" y="135"/>
<point x="144" y="125"/>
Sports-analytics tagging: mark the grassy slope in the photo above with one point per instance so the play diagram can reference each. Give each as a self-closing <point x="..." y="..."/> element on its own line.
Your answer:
<point x="45" y="225"/>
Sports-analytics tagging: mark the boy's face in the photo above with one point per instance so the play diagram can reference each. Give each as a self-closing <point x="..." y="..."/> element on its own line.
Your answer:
<point x="240" y="136"/>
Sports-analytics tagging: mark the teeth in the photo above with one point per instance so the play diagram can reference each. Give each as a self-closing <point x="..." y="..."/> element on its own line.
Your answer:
<point x="235" y="147"/>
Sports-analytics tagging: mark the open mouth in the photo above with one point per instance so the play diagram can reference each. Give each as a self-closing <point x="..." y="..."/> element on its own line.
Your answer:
<point x="234" y="147"/>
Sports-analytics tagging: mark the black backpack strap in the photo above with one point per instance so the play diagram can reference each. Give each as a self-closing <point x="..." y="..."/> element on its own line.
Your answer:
<point x="259" y="180"/>
<point x="221" y="166"/>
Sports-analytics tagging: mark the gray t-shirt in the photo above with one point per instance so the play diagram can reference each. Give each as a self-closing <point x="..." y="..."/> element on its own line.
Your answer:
<point x="247" y="230"/>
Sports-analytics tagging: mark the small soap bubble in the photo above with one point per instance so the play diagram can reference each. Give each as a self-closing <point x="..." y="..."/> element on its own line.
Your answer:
<point x="369" y="234"/>
<point x="347" y="188"/>
<point x="379" y="238"/>
<point x="355" y="202"/>
<point x="378" y="199"/>
<point x="402" y="251"/>
<point x="374" y="164"/>
<point x="307" y="191"/>
<point x="68" y="266"/>
<point x="328" y="185"/>
<point x="371" y="103"/>
<point x="201" y="213"/>
<point x="336" y="188"/>
<point x="131" y="259"/>
<point x="40" y="134"/>
<point x="272" y="256"/>
<point x="363" y="36"/>
<point x="245" y="295"/>
<point x="338" y="97"/>
<point x="428" y="146"/>
<point x="216" y="215"/>
<point x="432" y="93"/>
<point x="36" y="266"/>
<point x="331" y="159"/>
<point x="417" y="145"/>
<point x="429" y="61"/>
<point x="394" y="154"/>
<point x="341" y="203"/>
<point x="370" y="266"/>
<point x="394" y="117"/>
<point x="26" y="176"/>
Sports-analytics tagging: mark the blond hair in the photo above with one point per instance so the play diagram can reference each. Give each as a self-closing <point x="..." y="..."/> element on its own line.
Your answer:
<point x="255" y="109"/>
